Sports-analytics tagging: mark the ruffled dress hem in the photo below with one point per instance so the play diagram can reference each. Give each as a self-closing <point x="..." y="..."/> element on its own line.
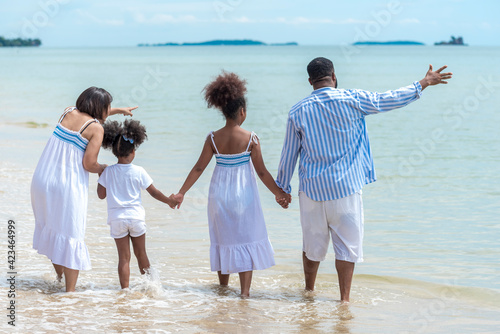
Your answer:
<point x="243" y="257"/>
<point x="62" y="250"/>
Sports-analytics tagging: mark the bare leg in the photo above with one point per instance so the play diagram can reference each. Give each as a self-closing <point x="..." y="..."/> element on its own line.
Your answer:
<point x="223" y="279"/>
<point x="345" y="270"/>
<point x="310" y="271"/>
<point x="123" y="247"/>
<point x="71" y="276"/>
<point x="139" y="244"/>
<point x="245" y="282"/>
<point x="59" y="271"/>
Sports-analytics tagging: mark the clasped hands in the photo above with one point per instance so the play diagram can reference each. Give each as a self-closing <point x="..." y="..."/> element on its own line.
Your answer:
<point x="282" y="198"/>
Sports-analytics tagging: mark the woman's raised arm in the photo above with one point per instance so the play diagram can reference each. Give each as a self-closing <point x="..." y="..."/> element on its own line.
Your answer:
<point x="123" y="111"/>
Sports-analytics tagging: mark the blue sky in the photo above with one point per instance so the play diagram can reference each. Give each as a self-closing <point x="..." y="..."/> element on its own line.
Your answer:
<point x="61" y="23"/>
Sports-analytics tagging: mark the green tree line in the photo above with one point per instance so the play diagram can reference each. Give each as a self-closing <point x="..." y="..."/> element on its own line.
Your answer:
<point x="19" y="42"/>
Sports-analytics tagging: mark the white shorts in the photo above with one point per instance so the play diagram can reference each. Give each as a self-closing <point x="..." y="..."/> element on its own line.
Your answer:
<point x="122" y="227"/>
<point x="342" y="219"/>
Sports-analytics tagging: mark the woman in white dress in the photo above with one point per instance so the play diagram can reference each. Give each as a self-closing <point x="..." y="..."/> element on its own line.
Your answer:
<point x="238" y="235"/>
<point x="59" y="189"/>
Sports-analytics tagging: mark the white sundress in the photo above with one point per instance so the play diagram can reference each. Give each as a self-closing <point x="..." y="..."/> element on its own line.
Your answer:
<point x="238" y="235"/>
<point x="59" y="196"/>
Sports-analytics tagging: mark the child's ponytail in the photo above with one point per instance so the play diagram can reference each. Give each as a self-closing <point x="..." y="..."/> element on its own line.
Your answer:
<point x="134" y="130"/>
<point x="112" y="130"/>
<point x="226" y="93"/>
<point x="123" y="139"/>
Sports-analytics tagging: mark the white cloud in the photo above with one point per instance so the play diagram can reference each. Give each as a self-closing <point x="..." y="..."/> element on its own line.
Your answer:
<point x="179" y="7"/>
<point x="293" y="21"/>
<point x="485" y="25"/>
<point x="89" y="17"/>
<point x="243" y="19"/>
<point x="409" y="21"/>
<point x="304" y="20"/>
<point x="300" y="20"/>
<point x="352" y="21"/>
<point x="160" y="19"/>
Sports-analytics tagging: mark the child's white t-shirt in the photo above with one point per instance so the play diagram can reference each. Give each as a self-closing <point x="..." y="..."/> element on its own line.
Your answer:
<point x="123" y="183"/>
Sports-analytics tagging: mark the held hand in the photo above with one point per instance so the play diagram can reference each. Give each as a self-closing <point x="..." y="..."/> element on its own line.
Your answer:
<point x="435" y="77"/>
<point x="172" y="202"/>
<point x="178" y="198"/>
<point x="283" y="199"/>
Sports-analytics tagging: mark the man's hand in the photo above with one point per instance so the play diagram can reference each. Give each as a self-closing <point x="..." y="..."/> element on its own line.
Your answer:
<point x="435" y="77"/>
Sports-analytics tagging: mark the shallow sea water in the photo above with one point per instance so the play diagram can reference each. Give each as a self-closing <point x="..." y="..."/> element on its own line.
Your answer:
<point x="431" y="220"/>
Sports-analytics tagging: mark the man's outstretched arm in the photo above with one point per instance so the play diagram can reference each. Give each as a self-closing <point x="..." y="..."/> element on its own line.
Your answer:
<point x="435" y="77"/>
<point x="372" y="102"/>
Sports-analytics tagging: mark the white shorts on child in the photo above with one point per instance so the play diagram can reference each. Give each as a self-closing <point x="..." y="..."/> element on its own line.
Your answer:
<point x="122" y="227"/>
<point x="341" y="219"/>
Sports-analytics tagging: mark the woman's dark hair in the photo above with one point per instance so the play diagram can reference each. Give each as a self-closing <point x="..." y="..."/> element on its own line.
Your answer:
<point x="226" y="93"/>
<point x="319" y="68"/>
<point x="123" y="139"/>
<point x="95" y="102"/>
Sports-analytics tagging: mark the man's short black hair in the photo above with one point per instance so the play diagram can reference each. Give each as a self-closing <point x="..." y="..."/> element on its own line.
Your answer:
<point x="319" y="68"/>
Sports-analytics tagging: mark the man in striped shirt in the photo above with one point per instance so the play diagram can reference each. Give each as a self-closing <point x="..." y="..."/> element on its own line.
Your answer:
<point x="327" y="129"/>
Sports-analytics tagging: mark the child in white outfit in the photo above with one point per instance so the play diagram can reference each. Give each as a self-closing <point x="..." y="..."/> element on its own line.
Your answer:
<point x="238" y="236"/>
<point x="122" y="184"/>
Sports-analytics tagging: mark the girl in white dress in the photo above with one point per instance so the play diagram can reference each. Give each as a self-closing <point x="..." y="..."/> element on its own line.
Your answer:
<point x="122" y="183"/>
<point x="59" y="189"/>
<point x="238" y="235"/>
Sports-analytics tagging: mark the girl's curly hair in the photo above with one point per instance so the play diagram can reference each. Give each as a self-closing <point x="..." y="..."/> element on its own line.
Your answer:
<point x="123" y="139"/>
<point x="226" y="93"/>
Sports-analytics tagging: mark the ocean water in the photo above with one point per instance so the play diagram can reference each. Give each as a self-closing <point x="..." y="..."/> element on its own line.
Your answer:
<point x="432" y="225"/>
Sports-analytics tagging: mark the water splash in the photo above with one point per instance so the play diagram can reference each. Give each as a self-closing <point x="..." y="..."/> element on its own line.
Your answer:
<point x="150" y="284"/>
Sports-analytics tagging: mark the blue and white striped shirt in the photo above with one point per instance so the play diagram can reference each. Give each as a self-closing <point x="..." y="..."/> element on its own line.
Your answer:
<point x="327" y="129"/>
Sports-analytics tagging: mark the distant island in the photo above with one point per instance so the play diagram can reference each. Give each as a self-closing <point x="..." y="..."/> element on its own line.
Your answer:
<point x="5" y="42"/>
<point x="388" y="43"/>
<point x="236" y="42"/>
<point x="454" y="41"/>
